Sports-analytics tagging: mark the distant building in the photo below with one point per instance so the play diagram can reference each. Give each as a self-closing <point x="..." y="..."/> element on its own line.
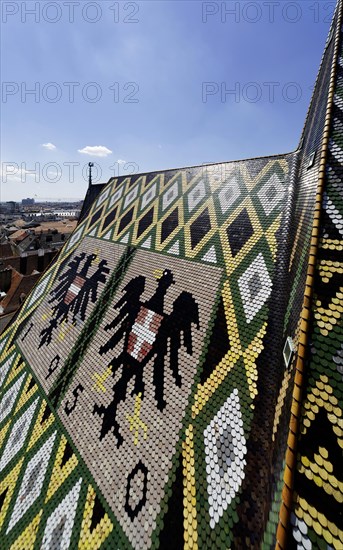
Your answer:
<point x="12" y="207"/>
<point x="46" y="236"/>
<point x="39" y="214"/>
<point x="17" y="287"/>
<point x="27" y="247"/>
<point x="52" y="214"/>
<point x="19" y="271"/>
<point x="67" y="213"/>
<point x="9" y="208"/>
<point x="28" y="202"/>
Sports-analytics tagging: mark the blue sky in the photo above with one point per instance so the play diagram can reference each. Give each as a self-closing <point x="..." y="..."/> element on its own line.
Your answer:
<point x="140" y="86"/>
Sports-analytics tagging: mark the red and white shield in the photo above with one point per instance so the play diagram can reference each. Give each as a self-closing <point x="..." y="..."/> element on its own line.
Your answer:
<point x="143" y="333"/>
<point x="74" y="289"/>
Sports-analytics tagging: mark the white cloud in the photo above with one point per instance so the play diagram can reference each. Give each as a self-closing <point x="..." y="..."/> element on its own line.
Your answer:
<point x="49" y="146"/>
<point x="121" y="161"/>
<point x="95" y="151"/>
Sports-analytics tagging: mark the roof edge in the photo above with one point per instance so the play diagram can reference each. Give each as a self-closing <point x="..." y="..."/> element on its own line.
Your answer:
<point x="317" y="78"/>
<point x="163" y="170"/>
<point x="305" y="316"/>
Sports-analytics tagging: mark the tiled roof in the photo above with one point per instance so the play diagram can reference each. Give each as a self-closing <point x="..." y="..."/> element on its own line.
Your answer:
<point x="19" y="235"/>
<point x="175" y="378"/>
<point x="21" y="285"/>
<point x="5" y="250"/>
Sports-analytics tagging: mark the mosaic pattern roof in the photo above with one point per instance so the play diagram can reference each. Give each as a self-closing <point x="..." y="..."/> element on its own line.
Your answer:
<point x="145" y="397"/>
<point x="318" y="495"/>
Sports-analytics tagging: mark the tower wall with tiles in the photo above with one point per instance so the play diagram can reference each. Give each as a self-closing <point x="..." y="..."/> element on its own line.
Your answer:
<point x="317" y="508"/>
<point x="293" y="267"/>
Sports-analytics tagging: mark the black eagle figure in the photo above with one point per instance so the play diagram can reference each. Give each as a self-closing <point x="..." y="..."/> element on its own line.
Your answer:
<point x="65" y="279"/>
<point x="73" y="293"/>
<point x="149" y="334"/>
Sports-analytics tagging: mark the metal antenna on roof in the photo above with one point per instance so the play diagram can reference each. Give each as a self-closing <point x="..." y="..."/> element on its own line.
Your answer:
<point x="90" y="164"/>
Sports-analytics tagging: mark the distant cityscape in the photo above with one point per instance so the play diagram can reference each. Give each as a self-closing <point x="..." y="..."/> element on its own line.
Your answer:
<point x="31" y="233"/>
<point x="46" y="211"/>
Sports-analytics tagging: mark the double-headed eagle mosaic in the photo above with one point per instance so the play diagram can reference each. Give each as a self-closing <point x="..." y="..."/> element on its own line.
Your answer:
<point x="149" y="335"/>
<point x="146" y="334"/>
<point x="72" y="294"/>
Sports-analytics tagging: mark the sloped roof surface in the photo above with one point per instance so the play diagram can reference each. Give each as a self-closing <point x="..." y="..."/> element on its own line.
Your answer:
<point x="145" y="397"/>
<point x="318" y="491"/>
<point x="20" y="286"/>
